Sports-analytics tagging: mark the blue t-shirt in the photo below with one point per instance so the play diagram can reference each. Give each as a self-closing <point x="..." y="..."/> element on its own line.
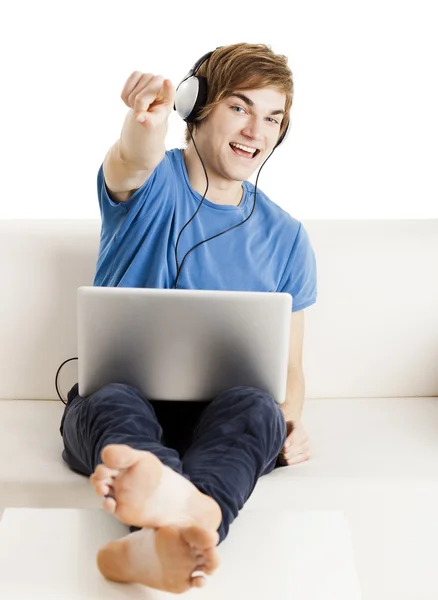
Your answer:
<point x="271" y="252"/>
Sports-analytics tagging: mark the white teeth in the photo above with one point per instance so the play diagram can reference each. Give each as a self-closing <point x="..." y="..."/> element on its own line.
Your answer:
<point x="246" y="148"/>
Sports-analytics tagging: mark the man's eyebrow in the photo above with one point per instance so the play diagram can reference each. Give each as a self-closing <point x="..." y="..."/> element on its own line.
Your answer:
<point x="251" y="103"/>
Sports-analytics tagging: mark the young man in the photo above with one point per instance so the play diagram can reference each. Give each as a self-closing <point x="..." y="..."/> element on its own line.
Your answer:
<point x="179" y="472"/>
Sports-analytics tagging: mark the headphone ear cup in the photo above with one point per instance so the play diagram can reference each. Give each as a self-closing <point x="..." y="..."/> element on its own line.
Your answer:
<point x="283" y="135"/>
<point x="190" y="97"/>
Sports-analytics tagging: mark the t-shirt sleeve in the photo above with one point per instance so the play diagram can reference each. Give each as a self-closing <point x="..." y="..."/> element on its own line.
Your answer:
<point x="114" y="214"/>
<point x="300" y="277"/>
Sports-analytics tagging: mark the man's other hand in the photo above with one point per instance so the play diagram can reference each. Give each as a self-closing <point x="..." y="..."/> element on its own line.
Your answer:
<point x="296" y="448"/>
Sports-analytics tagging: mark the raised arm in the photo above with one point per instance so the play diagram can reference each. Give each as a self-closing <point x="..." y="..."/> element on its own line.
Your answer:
<point x="140" y="148"/>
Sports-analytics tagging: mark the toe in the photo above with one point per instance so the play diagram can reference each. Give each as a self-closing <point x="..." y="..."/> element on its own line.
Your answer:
<point x="211" y="561"/>
<point x="103" y="473"/>
<point x="103" y="489"/>
<point x="199" y="538"/>
<point x="109" y="504"/>
<point x="198" y="580"/>
<point x="119" y="456"/>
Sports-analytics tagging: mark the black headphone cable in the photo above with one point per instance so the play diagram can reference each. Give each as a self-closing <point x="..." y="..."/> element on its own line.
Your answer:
<point x="179" y="268"/>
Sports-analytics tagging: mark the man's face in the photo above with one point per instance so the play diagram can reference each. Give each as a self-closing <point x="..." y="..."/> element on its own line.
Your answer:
<point x="240" y="132"/>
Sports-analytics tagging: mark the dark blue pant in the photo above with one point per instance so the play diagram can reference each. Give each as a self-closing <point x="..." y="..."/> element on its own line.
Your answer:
<point x="222" y="446"/>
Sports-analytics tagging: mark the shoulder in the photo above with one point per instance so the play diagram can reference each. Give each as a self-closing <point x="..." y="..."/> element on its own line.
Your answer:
<point x="172" y="168"/>
<point x="272" y="213"/>
<point x="166" y="175"/>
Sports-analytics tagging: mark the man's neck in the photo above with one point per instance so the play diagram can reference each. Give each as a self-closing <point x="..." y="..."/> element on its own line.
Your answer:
<point x="219" y="191"/>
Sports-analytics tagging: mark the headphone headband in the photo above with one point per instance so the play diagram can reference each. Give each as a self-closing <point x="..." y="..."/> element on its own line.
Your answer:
<point x="198" y="64"/>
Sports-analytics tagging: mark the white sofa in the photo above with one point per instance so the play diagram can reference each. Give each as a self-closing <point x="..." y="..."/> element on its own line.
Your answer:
<point x="371" y="366"/>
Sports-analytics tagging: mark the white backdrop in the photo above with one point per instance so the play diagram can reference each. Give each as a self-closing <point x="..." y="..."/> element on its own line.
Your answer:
<point x="364" y="122"/>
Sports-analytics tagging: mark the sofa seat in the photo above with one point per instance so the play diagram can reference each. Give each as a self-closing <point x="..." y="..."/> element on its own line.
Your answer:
<point x="376" y="459"/>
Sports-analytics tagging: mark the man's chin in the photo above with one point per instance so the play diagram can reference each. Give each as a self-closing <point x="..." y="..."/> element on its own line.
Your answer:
<point x="245" y="171"/>
<point x="242" y="172"/>
<point x="245" y="174"/>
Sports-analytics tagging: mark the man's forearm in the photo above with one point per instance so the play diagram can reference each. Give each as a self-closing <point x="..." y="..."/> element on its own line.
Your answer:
<point x="295" y="392"/>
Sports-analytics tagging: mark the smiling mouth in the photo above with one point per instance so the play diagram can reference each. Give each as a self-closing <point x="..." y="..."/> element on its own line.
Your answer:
<point x="244" y="151"/>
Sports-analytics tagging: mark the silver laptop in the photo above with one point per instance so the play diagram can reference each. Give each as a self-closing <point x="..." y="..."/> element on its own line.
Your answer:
<point x="183" y="344"/>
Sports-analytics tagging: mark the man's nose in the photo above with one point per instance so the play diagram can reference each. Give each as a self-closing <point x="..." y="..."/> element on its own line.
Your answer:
<point x="253" y="129"/>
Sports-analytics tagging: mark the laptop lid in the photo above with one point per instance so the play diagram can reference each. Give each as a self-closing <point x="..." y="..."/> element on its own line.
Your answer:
<point x="183" y="344"/>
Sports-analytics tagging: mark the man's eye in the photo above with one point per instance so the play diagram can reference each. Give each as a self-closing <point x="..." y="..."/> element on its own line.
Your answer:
<point x="272" y="120"/>
<point x="237" y="108"/>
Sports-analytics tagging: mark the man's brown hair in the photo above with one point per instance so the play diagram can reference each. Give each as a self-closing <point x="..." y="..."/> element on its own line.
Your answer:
<point x="244" y="66"/>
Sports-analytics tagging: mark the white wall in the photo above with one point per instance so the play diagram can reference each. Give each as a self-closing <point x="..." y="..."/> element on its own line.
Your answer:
<point x="365" y="125"/>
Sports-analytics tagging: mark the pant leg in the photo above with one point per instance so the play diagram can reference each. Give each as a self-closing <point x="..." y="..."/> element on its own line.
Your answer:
<point x="115" y="414"/>
<point x="238" y="439"/>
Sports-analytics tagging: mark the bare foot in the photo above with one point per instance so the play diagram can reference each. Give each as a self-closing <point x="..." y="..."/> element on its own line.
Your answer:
<point x="145" y="493"/>
<point x="172" y="559"/>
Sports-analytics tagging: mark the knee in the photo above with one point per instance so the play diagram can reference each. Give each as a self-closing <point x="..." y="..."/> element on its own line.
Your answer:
<point x="250" y="398"/>
<point x="257" y="409"/>
<point x="117" y="388"/>
<point x="118" y="393"/>
<point x="265" y="404"/>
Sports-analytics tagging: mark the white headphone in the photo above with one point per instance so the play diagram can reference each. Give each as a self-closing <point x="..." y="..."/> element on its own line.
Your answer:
<point x="191" y="94"/>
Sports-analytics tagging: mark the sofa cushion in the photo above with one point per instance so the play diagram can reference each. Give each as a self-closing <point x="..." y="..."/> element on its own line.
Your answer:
<point x="379" y="439"/>
<point x="374" y="459"/>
